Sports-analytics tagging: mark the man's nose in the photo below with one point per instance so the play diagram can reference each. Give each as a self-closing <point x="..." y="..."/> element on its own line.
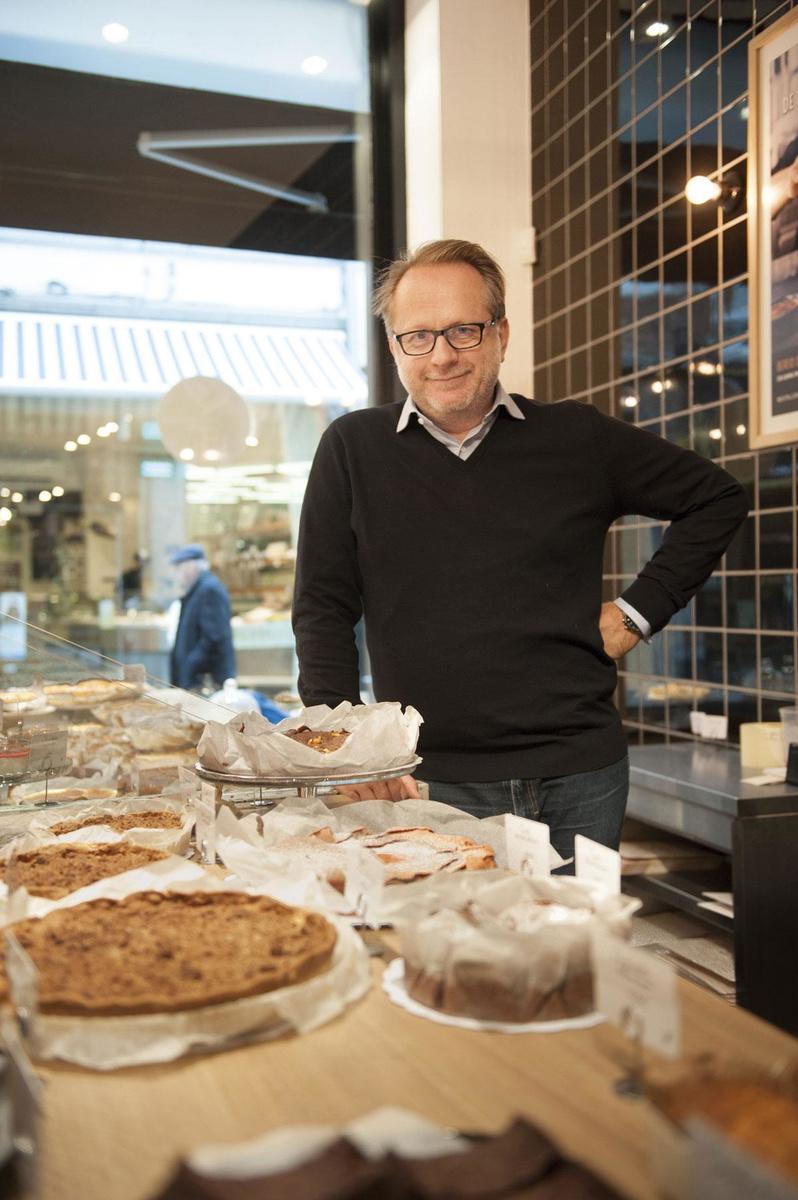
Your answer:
<point x="442" y="353"/>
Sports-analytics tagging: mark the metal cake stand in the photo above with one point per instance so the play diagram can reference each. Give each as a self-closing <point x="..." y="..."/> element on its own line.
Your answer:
<point x="305" y="785"/>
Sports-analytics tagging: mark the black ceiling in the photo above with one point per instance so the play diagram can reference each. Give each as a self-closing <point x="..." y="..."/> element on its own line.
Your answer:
<point x="69" y="163"/>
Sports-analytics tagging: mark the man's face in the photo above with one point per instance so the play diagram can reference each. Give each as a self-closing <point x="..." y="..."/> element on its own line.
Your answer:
<point x="447" y="385"/>
<point x="187" y="573"/>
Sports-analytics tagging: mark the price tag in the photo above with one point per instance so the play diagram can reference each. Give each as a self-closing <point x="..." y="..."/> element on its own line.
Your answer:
<point x="597" y="864"/>
<point x="205" y="832"/>
<point x="134" y="673"/>
<point x="637" y="992"/>
<point x="365" y="879"/>
<point x="25" y="1089"/>
<point x="48" y="752"/>
<point x="527" y="845"/>
<point x="719" y="1169"/>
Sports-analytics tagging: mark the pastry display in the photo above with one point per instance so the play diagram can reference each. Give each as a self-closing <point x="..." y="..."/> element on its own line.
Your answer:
<point x="121" y="822"/>
<point x="325" y="741"/>
<point x="757" y="1114"/>
<point x="405" y="853"/>
<point x="88" y="692"/>
<point x="54" y="871"/>
<point x="19" y="700"/>
<point x="151" y="773"/>
<point x="159" y="952"/>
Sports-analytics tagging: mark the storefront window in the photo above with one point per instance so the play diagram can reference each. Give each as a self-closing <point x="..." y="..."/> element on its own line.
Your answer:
<point x="184" y="280"/>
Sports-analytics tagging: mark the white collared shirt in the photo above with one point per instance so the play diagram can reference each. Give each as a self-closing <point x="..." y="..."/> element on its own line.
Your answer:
<point x="465" y="447"/>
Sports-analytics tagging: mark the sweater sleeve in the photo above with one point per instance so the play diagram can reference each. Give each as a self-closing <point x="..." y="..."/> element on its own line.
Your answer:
<point x="327" y="593"/>
<point x="705" y="505"/>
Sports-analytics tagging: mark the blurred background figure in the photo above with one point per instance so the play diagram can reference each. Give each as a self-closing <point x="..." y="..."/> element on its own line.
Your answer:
<point x="131" y="582"/>
<point x="204" y="641"/>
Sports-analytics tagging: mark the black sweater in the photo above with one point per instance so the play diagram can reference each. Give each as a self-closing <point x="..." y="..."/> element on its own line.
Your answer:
<point x="480" y="579"/>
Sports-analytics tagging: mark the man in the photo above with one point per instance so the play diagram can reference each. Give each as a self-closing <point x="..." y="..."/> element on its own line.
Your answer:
<point x="468" y="527"/>
<point x="204" y="641"/>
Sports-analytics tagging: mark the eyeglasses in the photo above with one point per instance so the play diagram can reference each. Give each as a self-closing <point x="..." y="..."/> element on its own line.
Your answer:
<point x="459" y="337"/>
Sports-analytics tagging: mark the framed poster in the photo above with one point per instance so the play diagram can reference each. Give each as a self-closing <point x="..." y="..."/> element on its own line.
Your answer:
<point x="773" y="233"/>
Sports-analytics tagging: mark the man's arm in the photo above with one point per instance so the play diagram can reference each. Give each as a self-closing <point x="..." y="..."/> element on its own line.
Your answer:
<point x="704" y="504"/>
<point x="327" y="600"/>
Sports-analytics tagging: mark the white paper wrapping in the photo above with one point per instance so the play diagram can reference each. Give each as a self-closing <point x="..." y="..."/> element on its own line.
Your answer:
<point x="108" y="1043"/>
<point x="172" y="841"/>
<point x="381" y="737"/>
<point x="384" y="1131"/>
<point x="256" y="847"/>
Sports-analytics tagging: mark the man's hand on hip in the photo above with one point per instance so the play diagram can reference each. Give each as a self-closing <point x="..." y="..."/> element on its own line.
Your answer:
<point x="403" y="788"/>
<point x="618" y="640"/>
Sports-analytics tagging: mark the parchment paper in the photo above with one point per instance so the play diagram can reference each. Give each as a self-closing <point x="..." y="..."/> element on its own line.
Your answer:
<point x="381" y="737"/>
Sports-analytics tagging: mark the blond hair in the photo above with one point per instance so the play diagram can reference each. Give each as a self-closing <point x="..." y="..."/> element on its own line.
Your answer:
<point x="447" y="250"/>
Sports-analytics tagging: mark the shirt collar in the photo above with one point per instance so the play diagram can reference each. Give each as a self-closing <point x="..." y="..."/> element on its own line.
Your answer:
<point x="501" y="399"/>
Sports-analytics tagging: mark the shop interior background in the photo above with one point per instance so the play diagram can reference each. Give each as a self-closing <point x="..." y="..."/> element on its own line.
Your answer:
<point x="641" y="307"/>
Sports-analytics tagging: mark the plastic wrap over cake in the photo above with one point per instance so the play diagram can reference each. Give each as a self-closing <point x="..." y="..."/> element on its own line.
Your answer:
<point x="379" y="737"/>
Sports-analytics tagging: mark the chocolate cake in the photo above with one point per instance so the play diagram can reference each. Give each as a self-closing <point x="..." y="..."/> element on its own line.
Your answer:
<point x="325" y="741"/>
<point x="166" y="952"/>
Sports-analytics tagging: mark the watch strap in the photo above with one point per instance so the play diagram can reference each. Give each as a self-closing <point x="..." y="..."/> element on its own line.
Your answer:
<point x="629" y="624"/>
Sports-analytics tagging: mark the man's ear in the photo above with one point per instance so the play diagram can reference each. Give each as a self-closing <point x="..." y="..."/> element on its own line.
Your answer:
<point x="393" y="346"/>
<point x="504" y="335"/>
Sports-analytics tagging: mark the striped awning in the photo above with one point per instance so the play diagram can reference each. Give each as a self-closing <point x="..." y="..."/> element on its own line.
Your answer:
<point x="68" y="355"/>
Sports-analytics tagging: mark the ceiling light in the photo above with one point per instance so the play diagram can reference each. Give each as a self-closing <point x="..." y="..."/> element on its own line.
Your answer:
<point x="251" y="440"/>
<point x="700" y="190"/>
<point x="740" y="430"/>
<point x="114" y="497"/>
<point x="314" y="64"/>
<point x="58" y="490"/>
<point x="83" y="439"/>
<point x="743" y="113"/>
<point x="187" y="454"/>
<point x="211" y="455"/>
<point x="629" y="401"/>
<point x="5" y="515"/>
<point x="70" y="446"/>
<point x="103" y="431"/>
<point x="703" y="367"/>
<point x="658" y="387"/>
<point x="44" y="496"/>
<point x="715" y="434"/>
<point x="115" y="33"/>
<point x="657" y="29"/>
<point x="5" y="492"/>
<point x="17" y="497"/>
<point x="112" y="426"/>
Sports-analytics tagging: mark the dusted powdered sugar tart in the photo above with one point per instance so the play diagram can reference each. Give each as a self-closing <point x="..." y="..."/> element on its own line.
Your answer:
<point x="166" y="952"/>
<point x="55" y="871"/>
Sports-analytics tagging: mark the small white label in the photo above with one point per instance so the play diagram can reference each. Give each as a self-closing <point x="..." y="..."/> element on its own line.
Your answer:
<point x="527" y="845"/>
<point x="48" y="752"/>
<point x="205" y="832"/>
<point x="637" y="992"/>
<point x="365" y="879"/>
<point x="597" y="864"/>
<point x="134" y="673"/>
<point x="720" y="1169"/>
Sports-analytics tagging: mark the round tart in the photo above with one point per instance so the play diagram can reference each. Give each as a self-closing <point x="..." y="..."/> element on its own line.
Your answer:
<point x="121" y="822"/>
<point x="159" y="952"/>
<point x="55" y="871"/>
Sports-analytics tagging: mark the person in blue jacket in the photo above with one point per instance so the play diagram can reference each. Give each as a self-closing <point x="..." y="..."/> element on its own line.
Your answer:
<point x="204" y="640"/>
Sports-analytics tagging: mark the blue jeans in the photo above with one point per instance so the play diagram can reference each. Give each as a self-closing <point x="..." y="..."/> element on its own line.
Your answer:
<point x="592" y="803"/>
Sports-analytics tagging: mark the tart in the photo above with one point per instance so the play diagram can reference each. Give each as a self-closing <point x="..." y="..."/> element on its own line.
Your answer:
<point x="322" y="740"/>
<point x="157" y="952"/>
<point x="55" y="871"/>
<point x="121" y="822"/>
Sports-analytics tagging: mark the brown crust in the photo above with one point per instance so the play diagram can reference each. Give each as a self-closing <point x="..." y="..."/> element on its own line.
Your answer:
<point x="55" y="871"/>
<point x="122" y="822"/>
<point x="159" y="952"/>
<point x="322" y="740"/>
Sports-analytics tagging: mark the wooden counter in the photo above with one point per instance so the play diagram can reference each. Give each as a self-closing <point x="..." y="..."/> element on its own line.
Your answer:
<point x="118" y="1136"/>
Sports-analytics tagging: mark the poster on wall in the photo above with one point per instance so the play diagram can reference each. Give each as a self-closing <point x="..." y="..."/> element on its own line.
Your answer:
<point x="773" y="233"/>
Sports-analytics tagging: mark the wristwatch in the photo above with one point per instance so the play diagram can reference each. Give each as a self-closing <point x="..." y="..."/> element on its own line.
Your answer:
<point x="629" y="624"/>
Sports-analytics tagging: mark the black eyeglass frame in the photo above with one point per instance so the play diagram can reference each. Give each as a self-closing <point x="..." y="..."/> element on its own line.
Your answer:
<point x="444" y="333"/>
